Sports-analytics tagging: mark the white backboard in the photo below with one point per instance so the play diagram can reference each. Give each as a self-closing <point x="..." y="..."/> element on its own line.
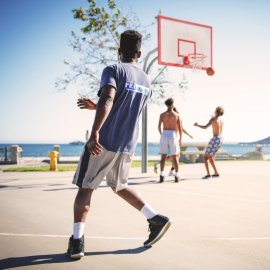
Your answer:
<point x="178" y="38"/>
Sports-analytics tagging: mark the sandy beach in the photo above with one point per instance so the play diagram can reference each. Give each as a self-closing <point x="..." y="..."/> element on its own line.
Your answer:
<point x="217" y="224"/>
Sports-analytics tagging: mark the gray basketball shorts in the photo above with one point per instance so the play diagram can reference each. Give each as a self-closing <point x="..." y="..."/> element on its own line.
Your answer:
<point x="169" y="142"/>
<point x="92" y="170"/>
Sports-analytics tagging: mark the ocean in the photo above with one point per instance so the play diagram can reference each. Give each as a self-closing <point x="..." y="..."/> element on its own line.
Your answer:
<point x="69" y="150"/>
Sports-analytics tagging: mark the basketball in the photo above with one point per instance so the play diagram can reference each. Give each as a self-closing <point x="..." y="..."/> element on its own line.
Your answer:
<point x="210" y="71"/>
<point x="186" y="60"/>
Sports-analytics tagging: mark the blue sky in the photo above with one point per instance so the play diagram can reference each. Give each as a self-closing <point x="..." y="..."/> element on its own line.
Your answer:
<point x="34" y="43"/>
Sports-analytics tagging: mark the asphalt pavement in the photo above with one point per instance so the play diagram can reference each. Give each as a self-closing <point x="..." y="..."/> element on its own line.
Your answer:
<point x="219" y="223"/>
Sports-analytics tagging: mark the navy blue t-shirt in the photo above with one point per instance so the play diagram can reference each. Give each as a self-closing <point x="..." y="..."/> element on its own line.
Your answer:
<point x="119" y="132"/>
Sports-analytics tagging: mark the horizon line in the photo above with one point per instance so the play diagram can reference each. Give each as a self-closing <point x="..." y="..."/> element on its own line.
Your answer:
<point x="153" y="142"/>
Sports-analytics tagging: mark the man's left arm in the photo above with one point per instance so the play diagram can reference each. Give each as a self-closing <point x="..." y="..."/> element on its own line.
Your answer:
<point x="159" y="124"/>
<point x="86" y="103"/>
<point x="180" y="128"/>
<point x="184" y="131"/>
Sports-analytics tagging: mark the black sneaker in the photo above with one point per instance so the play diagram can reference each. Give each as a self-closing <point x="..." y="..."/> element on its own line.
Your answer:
<point x="75" y="248"/>
<point x="158" y="225"/>
<point x="206" y="177"/>
<point x="161" y="179"/>
<point x="176" y="179"/>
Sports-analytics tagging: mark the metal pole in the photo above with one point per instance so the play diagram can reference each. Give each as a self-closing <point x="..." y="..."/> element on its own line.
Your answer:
<point x="147" y="57"/>
<point x="146" y="69"/>
<point x="6" y="154"/>
<point x="144" y="140"/>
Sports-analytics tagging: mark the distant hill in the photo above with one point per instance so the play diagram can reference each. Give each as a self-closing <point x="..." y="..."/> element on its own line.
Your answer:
<point x="263" y="141"/>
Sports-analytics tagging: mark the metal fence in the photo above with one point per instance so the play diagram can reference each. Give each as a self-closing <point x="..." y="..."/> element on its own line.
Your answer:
<point x="5" y="154"/>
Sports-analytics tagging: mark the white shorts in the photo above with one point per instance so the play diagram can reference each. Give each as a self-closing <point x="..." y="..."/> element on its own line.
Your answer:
<point x="92" y="170"/>
<point x="169" y="142"/>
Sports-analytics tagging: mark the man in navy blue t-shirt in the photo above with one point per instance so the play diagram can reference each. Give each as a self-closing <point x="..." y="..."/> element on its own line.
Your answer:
<point x="124" y="91"/>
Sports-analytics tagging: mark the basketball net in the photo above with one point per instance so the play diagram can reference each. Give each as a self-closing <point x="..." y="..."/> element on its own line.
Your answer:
<point x="196" y="61"/>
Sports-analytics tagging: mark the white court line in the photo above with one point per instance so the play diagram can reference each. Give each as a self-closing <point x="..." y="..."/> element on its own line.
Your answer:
<point x="129" y="238"/>
<point x="205" y="195"/>
<point x="243" y="238"/>
<point x="230" y="192"/>
<point x="67" y="236"/>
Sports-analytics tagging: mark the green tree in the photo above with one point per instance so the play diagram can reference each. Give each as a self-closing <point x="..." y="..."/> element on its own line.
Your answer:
<point x="97" y="46"/>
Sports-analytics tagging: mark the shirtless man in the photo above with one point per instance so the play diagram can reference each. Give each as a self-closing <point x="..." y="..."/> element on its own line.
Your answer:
<point x="215" y="143"/>
<point x="172" y="172"/>
<point x="171" y="123"/>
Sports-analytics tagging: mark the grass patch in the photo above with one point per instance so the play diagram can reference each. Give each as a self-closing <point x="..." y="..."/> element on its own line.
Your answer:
<point x="138" y="163"/>
<point x="61" y="168"/>
<point x="72" y="167"/>
<point x="151" y="163"/>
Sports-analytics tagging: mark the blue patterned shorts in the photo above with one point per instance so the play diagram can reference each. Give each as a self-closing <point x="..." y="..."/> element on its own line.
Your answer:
<point x="213" y="146"/>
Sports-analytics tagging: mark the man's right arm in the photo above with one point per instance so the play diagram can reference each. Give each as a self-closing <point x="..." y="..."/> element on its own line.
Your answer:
<point x="205" y="126"/>
<point x="104" y="107"/>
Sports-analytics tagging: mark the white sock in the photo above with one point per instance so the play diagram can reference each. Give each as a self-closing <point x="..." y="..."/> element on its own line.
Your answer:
<point x="148" y="211"/>
<point x="78" y="230"/>
<point x="162" y="173"/>
<point x="176" y="174"/>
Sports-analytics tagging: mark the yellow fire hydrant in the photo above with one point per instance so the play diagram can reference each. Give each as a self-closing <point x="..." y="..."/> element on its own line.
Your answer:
<point x="53" y="160"/>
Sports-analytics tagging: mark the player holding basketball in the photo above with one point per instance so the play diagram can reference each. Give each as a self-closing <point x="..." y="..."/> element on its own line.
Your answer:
<point x="215" y="143"/>
<point x="124" y="91"/>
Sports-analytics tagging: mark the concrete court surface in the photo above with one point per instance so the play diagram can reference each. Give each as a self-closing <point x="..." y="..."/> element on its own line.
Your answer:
<point x="217" y="224"/>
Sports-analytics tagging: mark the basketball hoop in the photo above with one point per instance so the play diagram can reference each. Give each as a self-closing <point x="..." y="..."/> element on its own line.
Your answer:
<point x="196" y="60"/>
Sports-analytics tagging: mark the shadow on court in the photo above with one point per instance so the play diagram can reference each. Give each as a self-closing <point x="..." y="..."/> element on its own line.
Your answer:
<point x="14" y="187"/>
<point x="60" y="258"/>
<point x="21" y="186"/>
<point x="133" y="183"/>
<point x="61" y="187"/>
